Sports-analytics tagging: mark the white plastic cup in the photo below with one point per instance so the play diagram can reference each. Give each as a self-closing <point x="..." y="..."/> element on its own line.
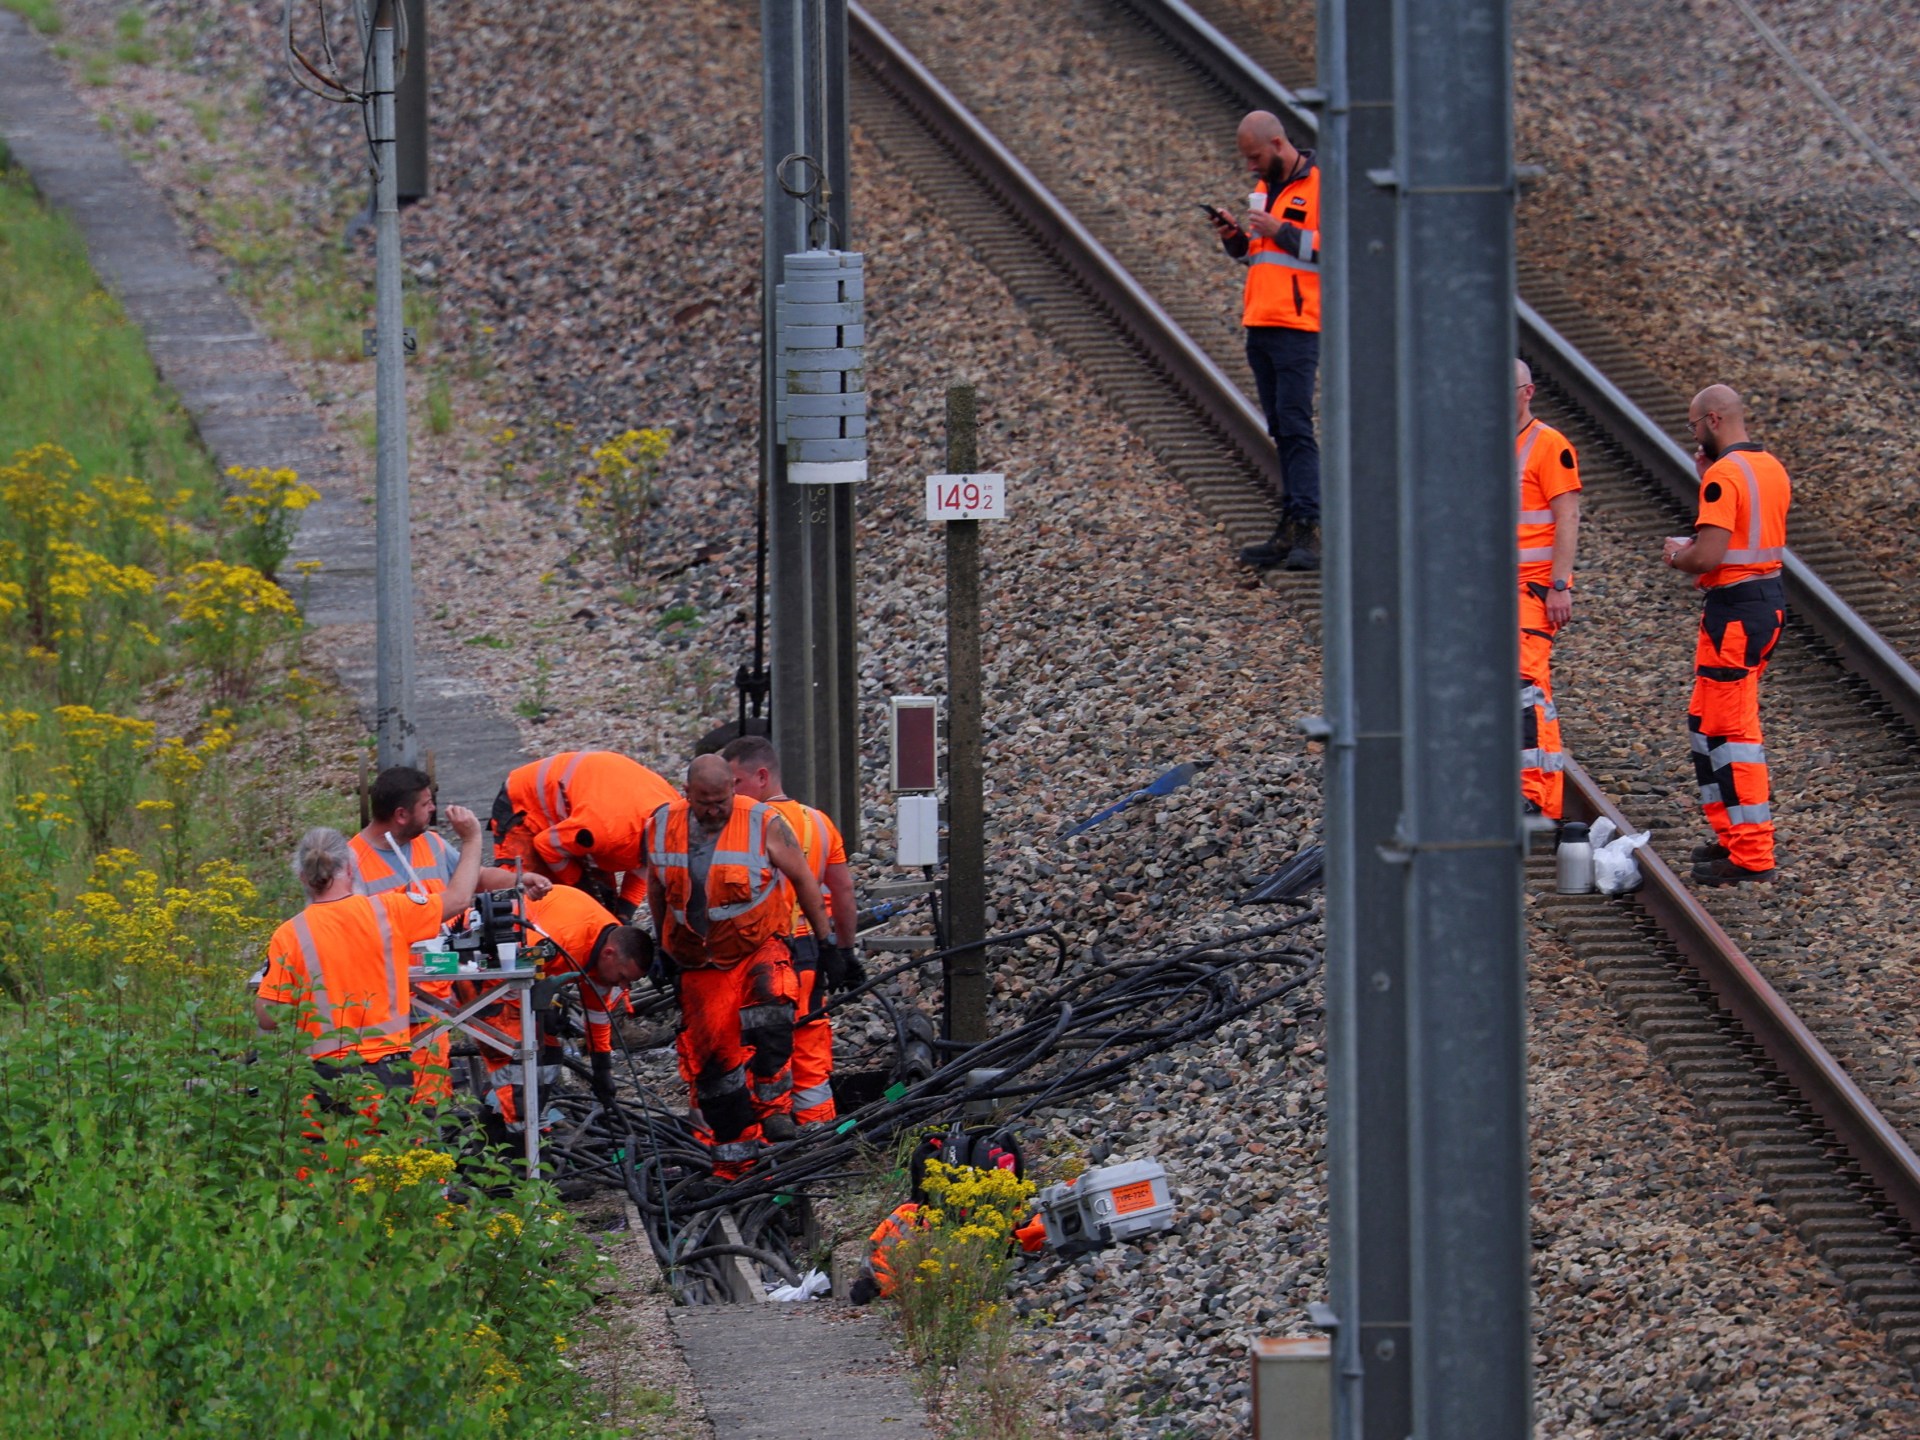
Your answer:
<point x="1257" y="200"/>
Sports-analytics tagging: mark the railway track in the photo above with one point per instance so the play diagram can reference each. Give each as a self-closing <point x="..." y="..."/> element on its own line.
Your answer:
<point x="1827" y="1137"/>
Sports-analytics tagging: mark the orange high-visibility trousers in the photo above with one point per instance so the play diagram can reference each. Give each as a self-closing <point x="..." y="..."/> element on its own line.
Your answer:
<point x="812" y="1041"/>
<point x="1542" y="761"/>
<point x="736" y="1050"/>
<point x="1739" y="626"/>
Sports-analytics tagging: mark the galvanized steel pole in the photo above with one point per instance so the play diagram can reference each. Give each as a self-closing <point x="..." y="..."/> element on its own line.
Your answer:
<point x="810" y="528"/>
<point x="393" y="689"/>
<point x="1462" y="838"/>
<point x="1368" y="1267"/>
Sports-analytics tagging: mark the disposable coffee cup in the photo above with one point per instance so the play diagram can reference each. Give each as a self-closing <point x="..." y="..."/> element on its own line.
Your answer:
<point x="1257" y="201"/>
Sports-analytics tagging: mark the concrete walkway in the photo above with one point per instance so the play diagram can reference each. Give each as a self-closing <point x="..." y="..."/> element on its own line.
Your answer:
<point x="817" y="1370"/>
<point x="246" y="408"/>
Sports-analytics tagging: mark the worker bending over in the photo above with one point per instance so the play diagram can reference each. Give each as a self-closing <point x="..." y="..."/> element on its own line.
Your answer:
<point x="1737" y="550"/>
<point x="397" y="850"/>
<point x="580" y="818"/>
<point x="756" y="775"/>
<point x="608" y="957"/>
<point x="719" y="867"/>
<point x="1549" y="532"/>
<point x="341" y="964"/>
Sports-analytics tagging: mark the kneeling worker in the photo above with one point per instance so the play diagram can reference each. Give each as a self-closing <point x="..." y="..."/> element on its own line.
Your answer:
<point x="341" y="964"/>
<point x="580" y="818"/>
<point x="715" y="886"/>
<point x="607" y="955"/>
<point x="818" y="973"/>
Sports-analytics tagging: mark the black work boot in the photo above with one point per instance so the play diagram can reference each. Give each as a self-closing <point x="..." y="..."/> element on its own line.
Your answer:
<point x="1273" y="551"/>
<point x="1706" y="854"/>
<point x="1304" y="553"/>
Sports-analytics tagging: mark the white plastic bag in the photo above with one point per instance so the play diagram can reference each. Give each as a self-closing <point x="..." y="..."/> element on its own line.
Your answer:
<point x="812" y="1285"/>
<point x="1615" y="871"/>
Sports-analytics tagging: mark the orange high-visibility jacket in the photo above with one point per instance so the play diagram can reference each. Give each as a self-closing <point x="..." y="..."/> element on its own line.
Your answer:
<point x="1548" y="469"/>
<point x="748" y="899"/>
<point x="1746" y="492"/>
<point x="432" y="859"/>
<point x="821" y="842"/>
<point x="575" y="922"/>
<point x="349" y="959"/>
<point x="582" y="796"/>
<point x="1284" y="289"/>
<point x="889" y="1233"/>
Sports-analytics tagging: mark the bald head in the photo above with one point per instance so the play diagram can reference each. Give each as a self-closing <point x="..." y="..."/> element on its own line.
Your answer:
<point x="1522" y="373"/>
<point x="1522" y="395"/>
<point x="1263" y="143"/>
<point x="710" y="790"/>
<point x="1717" y="419"/>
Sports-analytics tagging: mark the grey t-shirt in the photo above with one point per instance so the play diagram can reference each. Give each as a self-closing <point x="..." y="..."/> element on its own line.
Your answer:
<point x="700" y="846"/>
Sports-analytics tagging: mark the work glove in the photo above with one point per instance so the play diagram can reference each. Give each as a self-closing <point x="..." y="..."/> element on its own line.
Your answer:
<point x="603" y="1078"/>
<point x="843" y="970"/>
<point x="664" y="973"/>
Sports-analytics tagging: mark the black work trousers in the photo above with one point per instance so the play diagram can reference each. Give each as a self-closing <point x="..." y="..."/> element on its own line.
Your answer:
<point x="1285" y="364"/>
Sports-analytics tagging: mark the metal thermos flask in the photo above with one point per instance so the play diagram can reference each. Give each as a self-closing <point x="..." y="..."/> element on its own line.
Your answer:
<point x="1573" y="861"/>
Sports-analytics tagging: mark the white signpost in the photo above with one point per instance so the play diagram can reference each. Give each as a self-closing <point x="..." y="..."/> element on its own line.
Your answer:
<point x="966" y="497"/>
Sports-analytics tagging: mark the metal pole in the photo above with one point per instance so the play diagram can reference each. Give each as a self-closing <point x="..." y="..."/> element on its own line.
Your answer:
<point x="1366" y="914"/>
<point x="966" y="975"/>
<point x="393" y="721"/>
<point x="530" y="1082"/>
<point x="811" y="528"/>
<point x="1462" y="839"/>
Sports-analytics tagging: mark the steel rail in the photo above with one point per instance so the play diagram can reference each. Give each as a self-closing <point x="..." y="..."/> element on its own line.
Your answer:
<point x="1816" y="1076"/>
<point x="1193" y="372"/>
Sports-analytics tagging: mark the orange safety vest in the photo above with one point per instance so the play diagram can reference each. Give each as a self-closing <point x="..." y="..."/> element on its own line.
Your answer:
<point x="748" y="899"/>
<point x="599" y="792"/>
<point x="820" y="842"/>
<point x="1284" y="289"/>
<point x="348" y="959"/>
<point x="1746" y="492"/>
<point x="904" y="1219"/>
<point x="575" y="921"/>
<point x="432" y="859"/>
<point x="1547" y="469"/>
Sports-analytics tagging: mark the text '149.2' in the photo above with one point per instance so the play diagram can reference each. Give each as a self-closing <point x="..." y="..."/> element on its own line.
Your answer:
<point x="966" y="497"/>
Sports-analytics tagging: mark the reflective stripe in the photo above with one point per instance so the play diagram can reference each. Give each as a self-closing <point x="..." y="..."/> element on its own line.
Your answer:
<point x="444" y="860"/>
<point x="1549" y="711"/>
<point x="1699" y="743"/>
<point x="758" y="1017"/>
<point x="657" y="853"/>
<point x="1732" y="752"/>
<point x="1532" y="695"/>
<point x="1533" y="553"/>
<point x="1547" y="760"/>
<point x="316" y="979"/>
<point x="813" y="1095"/>
<point x="396" y="974"/>
<point x="1523" y="446"/>
<point x="773" y="1088"/>
<point x="735" y="1079"/>
<point x="383" y="887"/>
<point x="762" y="877"/>
<point x="1749" y="814"/>
<point x="1537" y="517"/>
<point x="737" y="1150"/>
<point x="1282" y="259"/>
<point x="1755" y="553"/>
<point x="1710" y="793"/>
<point x="563" y="800"/>
<point x="330" y="1041"/>
<point x="597" y="1017"/>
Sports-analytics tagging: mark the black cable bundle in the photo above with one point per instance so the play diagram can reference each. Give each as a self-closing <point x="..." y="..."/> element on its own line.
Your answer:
<point x="1078" y="1035"/>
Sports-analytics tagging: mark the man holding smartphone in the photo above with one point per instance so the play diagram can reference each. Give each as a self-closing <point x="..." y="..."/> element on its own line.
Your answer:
<point x="1279" y="243"/>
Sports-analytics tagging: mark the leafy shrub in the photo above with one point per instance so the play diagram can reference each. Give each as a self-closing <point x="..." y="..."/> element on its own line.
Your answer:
<point x="230" y="619"/>
<point x="953" y="1267"/>
<point x="179" y="1257"/>
<point x="619" y="493"/>
<point x="265" y="508"/>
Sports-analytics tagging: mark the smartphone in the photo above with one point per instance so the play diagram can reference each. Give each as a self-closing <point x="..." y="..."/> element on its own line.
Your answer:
<point x="1214" y="212"/>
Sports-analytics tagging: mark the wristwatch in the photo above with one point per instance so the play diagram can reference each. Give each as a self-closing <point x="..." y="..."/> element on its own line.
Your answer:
<point x="1563" y="585"/>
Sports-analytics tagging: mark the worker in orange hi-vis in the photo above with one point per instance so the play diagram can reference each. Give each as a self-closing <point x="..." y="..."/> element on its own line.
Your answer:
<point x="1736" y="552"/>
<point x="818" y="972"/>
<point x="338" y="969"/>
<point x="397" y="850"/>
<point x="719" y="868"/>
<point x="1549" y="474"/>
<point x="580" y="818"/>
<point x="608" y="957"/>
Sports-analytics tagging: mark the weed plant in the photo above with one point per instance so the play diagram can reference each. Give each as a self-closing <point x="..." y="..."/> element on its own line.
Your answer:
<point x="185" y="1253"/>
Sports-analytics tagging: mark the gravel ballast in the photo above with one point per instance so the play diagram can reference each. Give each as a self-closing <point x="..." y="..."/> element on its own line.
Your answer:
<point x="590" y="236"/>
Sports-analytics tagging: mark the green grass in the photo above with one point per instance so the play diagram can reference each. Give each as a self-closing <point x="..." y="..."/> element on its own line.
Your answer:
<point x="77" y="372"/>
<point x="439" y="403"/>
<point x="43" y="15"/>
<point x="143" y="122"/>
